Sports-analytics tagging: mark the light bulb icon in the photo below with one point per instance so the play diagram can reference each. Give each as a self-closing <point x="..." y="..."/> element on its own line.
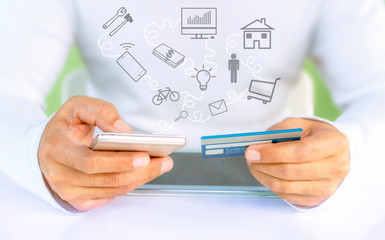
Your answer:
<point x="203" y="76"/>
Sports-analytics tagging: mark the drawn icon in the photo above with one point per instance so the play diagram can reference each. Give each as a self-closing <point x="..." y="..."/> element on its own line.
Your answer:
<point x="127" y="46"/>
<point x="203" y="77"/>
<point x="218" y="107"/>
<point x="262" y="90"/>
<point x="234" y="68"/>
<point x="131" y="66"/>
<point x="199" y="22"/>
<point x="183" y="115"/>
<point x="168" y="55"/>
<point x="164" y="94"/>
<point x="127" y="19"/>
<point x="257" y="34"/>
<point x="120" y="13"/>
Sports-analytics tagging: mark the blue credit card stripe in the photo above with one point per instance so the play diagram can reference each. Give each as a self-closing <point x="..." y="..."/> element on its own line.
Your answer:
<point x="236" y="144"/>
<point x="252" y="134"/>
<point x="250" y="138"/>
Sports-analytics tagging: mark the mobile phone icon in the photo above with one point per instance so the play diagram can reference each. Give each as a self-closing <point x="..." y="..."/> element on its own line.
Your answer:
<point x="131" y="66"/>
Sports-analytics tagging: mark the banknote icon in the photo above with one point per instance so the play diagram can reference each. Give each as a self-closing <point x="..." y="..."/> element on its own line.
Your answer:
<point x="168" y="55"/>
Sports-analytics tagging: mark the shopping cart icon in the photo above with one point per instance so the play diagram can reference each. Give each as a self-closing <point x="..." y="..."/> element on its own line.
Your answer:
<point x="262" y="90"/>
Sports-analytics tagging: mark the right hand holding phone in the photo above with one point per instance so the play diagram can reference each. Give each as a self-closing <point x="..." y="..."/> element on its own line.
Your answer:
<point x="84" y="178"/>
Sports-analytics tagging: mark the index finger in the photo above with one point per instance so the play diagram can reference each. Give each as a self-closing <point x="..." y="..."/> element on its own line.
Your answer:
<point x="94" y="112"/>
<point x="309" y="148"/>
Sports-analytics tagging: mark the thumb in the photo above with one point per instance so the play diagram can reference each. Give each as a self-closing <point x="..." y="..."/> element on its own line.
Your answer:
<point x="96" y="112"/>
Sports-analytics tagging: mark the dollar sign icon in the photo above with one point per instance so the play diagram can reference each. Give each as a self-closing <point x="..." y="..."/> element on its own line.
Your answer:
<point x="170" y="53"/>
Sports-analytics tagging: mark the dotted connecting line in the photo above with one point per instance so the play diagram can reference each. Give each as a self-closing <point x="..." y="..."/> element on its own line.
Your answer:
<point x="106" y="46"/>
<point x="249" y="62"/>
<point x="233" y="96"/>
<point x="212" y="55"/>
<point x="163" y="127"/>
<point x="154" y="34"/>
<point x="231" y="43"/>
<point x="198" y="119"/>
<point x="186" y="101"/>
<point x="152" y="83"/>
<point x="188" y="70"/>
<point x="190" y="103"/>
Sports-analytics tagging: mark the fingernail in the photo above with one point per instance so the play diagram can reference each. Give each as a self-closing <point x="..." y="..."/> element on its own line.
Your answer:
<point x="253" y="156"/>
<point x="166" y="166"/>
<point x="141" y="162"/>
<point x="121" y="126"/>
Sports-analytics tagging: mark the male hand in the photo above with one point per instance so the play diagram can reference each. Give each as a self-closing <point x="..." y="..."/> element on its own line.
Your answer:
<point x="304" y="172"/>
<point x="84" y="178"/>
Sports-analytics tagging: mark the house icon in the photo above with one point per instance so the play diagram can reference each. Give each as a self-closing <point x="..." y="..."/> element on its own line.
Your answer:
<point x="257" y="35"/>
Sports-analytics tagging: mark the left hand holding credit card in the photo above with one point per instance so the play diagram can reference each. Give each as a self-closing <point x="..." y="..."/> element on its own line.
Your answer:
<point x="304" y="172"/>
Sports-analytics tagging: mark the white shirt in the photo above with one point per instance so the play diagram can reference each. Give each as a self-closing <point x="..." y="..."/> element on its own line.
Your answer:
<point x="344" y="37"/>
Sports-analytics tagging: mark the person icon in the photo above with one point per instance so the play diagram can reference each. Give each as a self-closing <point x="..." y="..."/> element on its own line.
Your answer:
<point x="234" y="68"/>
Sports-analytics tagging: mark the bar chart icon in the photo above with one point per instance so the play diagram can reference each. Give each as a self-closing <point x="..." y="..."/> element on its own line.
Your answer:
<point x="199" y="22"/>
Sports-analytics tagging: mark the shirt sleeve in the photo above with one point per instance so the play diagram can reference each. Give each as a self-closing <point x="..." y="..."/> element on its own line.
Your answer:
<point x="35" y="38"/>
<point x="348" y="49"/>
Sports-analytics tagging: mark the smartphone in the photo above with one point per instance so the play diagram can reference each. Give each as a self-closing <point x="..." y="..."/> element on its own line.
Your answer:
<point x="131" y="66"/>
<point x="155" y="146"/>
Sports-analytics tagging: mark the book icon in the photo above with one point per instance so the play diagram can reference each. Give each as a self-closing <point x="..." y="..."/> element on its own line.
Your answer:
<point x="168" y="55"/>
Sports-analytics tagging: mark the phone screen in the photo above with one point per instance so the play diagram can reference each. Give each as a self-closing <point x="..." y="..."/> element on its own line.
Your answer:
<point x="131" y="66"/>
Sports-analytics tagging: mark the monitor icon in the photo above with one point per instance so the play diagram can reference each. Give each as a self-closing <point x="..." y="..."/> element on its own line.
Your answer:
<point x="199" y="22"/>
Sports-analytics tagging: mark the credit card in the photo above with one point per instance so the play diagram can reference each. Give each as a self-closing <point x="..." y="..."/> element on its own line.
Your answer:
<point x="230" y="145"/>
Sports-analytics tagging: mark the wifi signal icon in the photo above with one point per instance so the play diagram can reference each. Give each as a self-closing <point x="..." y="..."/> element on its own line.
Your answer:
<point x="127" y="46"/>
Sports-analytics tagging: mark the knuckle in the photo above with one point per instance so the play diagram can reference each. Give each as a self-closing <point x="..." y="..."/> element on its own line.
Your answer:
<point x="343" y="140"/>
<point x="343" y="170"/>
<point x="309" y="202"/>
<point x="125" y="189"/>
<point x="287" y="171"/>
<point x="122" y="163"/>
<point x="328" y="191"/>
<point x="270" y="155"/>
<point x="313" y="202"/>
<point x="75" y="99"/>
<point x="48" y="149"/>
<point x="88" y="164"/>
<point x="108" y="109"/>
<point x="304" y="152"/>
<point x="45" y="150"/>
<point x="81" y="206"/>
<point x="55" y="178"/>
<point x="278" y="186"/>
<point x="151" y="172"/>
<point x="115" y="180"/>
<point x="69" y="196"/>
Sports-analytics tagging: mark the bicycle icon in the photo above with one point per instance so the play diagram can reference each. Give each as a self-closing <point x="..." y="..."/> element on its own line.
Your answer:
<point x="164" y="94"/>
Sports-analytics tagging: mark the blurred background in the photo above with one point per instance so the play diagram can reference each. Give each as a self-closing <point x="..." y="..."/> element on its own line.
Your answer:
<point x="324" y="105"/>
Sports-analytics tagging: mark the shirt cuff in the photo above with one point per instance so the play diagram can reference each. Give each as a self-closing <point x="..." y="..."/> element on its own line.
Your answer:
<point x="36" y="184"/>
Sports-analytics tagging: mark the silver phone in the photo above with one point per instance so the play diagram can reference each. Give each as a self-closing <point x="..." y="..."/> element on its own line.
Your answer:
<point x="155" y="146"/>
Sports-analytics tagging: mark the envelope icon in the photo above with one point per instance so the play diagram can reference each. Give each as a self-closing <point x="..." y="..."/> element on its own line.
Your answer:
<point x="218" y="107"/>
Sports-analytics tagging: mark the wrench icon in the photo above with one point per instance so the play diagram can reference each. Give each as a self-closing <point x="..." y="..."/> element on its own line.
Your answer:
<point x="120" y="13"/>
